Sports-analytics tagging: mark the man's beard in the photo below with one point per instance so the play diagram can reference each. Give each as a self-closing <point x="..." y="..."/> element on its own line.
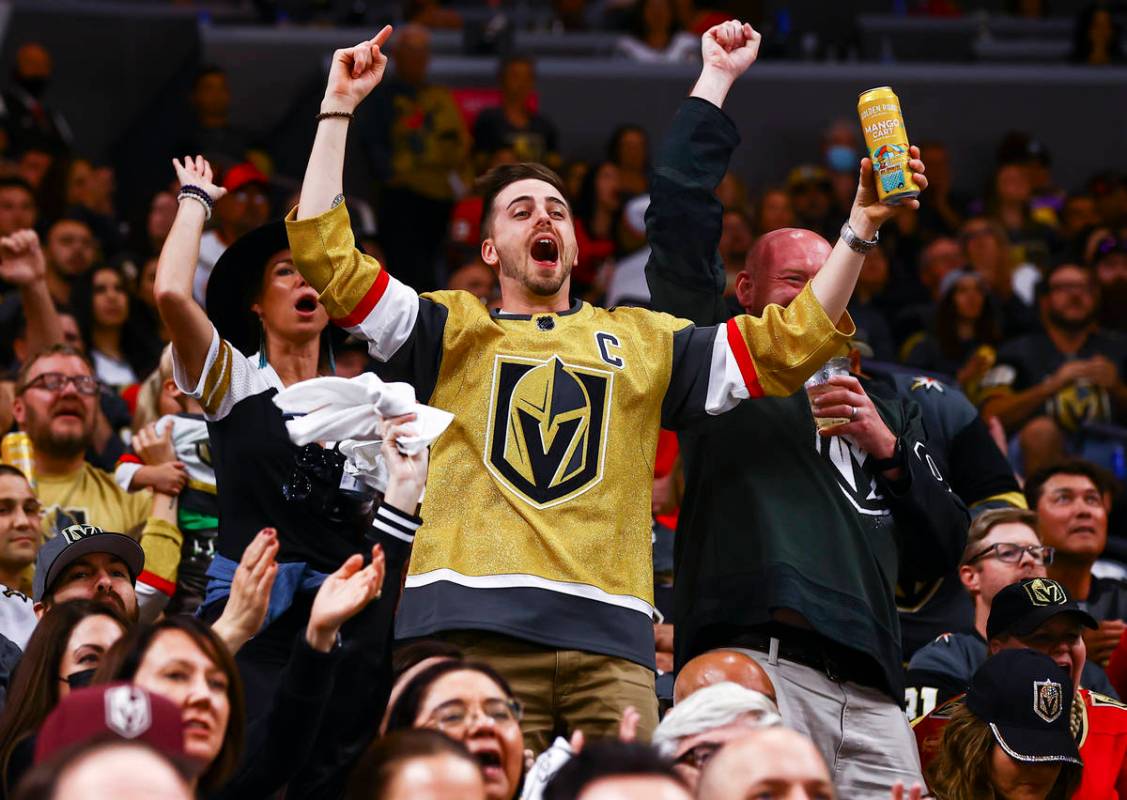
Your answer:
<point x="112" y="598"/>
<point x="59" y="445"/>
<point x="1070" y="325"/>
<point x="546" y="288"/>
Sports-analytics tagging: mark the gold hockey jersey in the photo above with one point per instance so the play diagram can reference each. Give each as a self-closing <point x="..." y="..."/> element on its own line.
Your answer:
<point x="537" y="511"/>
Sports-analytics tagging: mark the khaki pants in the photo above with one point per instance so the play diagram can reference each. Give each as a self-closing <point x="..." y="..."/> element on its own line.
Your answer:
<point x="863" y="735"/>
<point x="565" y="690"/>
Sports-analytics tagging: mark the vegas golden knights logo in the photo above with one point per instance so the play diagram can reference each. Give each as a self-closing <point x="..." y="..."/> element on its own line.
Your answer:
<point x="1048" y="700"/>
<point x="547" y="428"/>
<point x="1045" y="592"/>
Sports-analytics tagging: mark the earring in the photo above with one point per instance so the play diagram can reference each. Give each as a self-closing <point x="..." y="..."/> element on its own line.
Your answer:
<point x="261" y="345"/>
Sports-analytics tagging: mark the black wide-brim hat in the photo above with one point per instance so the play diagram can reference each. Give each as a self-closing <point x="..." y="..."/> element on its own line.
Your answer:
<point x="236" y="280"/>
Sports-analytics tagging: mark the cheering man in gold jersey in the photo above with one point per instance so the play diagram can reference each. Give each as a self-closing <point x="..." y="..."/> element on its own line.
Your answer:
<point x="535" y="552"/>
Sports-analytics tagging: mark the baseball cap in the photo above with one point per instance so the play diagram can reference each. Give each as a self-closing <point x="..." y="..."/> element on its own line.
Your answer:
<point x="112" y="711"/>
<point x="806" y="174"/>
<point x="1107" y="245"/>
<point x="1027" y="701"/>
<point x="1021" y="608"/>
<point x="240" y="175"/>
<point x="72" y="543"/>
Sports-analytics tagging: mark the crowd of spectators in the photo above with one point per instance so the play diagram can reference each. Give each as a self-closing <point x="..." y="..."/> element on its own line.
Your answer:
<point x="198" y="602"/>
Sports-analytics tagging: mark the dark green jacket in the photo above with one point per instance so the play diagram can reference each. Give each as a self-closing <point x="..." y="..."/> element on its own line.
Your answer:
<point x="774" y="517"/>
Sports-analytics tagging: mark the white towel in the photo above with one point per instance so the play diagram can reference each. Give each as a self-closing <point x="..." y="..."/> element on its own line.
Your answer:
<point x="348" y="412"/>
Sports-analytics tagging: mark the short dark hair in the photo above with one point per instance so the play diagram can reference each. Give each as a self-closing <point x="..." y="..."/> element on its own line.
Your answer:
<point x="493" y="182"/>
<point x="16" y="182"/>
<point x="378" y="766"/>
<point x="1100" y="478"/>
<point x="1064" y="262"/>
<point x="14" y="472"/>
<point x="53" y="350"/>
<point x="607" y="759"/>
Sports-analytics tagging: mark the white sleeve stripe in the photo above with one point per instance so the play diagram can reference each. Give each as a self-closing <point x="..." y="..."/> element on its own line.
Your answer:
<point x="726" y="387"/>
<point x="390" y="323"/>
<point x="396" y="516"/>
<point x="383" y="527"/>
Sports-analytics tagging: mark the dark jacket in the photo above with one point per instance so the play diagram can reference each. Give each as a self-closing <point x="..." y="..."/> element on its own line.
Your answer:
<point x="327" y="706"/>
<point x="774" y="515"/>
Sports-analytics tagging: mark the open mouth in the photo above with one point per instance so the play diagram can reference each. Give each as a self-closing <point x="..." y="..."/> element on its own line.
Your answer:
<point x="487" y="758"/>
<point x="306" y="305"/>
<point x="545" y="250"/>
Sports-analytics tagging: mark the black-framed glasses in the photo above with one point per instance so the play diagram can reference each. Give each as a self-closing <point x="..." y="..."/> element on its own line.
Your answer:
<point x="57" y="381"/>
<point x="454" y="716"/>
<point x="697" y="757"/>
<point x="1009" y="553"/>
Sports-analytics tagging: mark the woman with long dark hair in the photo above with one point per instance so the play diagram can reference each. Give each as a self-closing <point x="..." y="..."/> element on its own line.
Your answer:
<point x="966" y="320"/>
<point x="67" y="644"/>
<point x="597" y="211"/>
<point x="120" y="335"/>
<point x="182" y="659"/>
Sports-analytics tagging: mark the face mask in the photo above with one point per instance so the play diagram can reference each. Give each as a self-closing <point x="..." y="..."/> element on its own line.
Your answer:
<point x="35" y="86"/>
<point x="80" y="679"/>
<point x="840" y="158"/>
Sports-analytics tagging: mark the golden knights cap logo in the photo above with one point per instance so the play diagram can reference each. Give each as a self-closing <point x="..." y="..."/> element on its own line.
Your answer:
<point x="1045" y="592"/>
<point x="1048" y="700"/>
<point x="547" y="428"/>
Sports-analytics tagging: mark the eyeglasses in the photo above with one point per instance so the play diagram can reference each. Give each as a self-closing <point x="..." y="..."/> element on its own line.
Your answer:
<point x="697" y="757"/>
<point x="454" y="717"/>
<point x="1070" y="286"/>
<point x="1012" y="553"/>
<point x="57" y="381"/>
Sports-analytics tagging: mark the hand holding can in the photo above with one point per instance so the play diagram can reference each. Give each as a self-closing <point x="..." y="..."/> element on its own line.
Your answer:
<point x="886" y="138"/>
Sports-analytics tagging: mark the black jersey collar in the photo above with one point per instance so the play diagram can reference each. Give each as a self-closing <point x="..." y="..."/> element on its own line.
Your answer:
<point x="496" y="314"/>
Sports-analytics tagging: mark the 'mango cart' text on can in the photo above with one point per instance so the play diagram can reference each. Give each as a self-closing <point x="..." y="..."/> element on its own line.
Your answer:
<point x="887" y="141"/>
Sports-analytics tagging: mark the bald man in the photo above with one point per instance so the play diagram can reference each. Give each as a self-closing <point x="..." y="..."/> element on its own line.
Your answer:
<point x="774" y="762"/>
<point x="790" y="540"/>
<point x="720" y="666"/>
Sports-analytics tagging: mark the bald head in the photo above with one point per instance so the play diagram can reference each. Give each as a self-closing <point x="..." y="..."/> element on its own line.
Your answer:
<point x="778" y="266"/>
<point x="719" y="666"/>
<point x="33" y="61"/>
<point x="778" y="760"/>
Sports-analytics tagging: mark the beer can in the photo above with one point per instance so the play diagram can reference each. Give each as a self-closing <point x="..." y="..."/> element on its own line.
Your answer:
<point x="16" y="451"/>
<point x="887" y="141"/>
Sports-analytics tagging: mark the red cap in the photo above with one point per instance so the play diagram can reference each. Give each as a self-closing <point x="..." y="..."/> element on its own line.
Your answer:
<point x="241" y="174"/>
<point x="112" y="711"/>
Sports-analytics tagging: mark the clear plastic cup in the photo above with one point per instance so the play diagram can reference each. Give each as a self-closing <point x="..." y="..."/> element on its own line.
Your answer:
<point x="818" y="384"/>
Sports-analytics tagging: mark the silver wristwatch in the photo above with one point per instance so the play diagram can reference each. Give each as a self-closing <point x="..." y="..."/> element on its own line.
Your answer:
<point x="855" y="242"/>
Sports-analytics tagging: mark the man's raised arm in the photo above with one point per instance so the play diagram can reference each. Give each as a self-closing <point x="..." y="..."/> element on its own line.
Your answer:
<point x="353" y="74"/>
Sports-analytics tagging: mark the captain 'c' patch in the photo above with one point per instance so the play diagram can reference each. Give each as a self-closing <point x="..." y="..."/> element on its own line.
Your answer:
<point x="547" y="431"/>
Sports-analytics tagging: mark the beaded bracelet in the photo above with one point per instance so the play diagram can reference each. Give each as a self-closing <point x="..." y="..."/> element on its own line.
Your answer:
<point x="334" y="115"/>
<point x="198" y="192"/>
<point x="201" y="200"/>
